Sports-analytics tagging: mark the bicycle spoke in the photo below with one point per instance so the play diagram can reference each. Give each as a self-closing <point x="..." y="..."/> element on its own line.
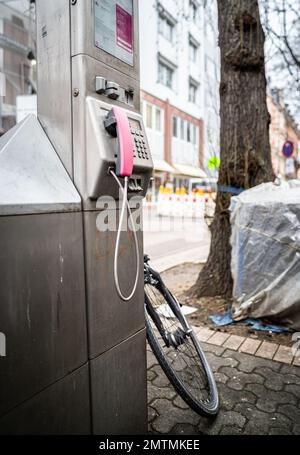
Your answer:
<point x="184" y="360"/>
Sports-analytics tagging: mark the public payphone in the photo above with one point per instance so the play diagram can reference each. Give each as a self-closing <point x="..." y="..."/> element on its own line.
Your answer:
<point x="74" y="295"/>
<point x="117" y="147"/>
<point x="115" y="137"/>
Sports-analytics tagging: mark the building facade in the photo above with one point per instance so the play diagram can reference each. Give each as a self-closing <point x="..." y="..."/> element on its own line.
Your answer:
<point x="180" y="67"/>
<point x="283" y="129"/>
<point x="180" y="87"/>
<point x="15" y="67"/>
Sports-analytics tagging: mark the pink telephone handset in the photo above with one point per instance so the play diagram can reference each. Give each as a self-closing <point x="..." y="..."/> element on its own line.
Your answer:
<point x="124" y="167"/>
<point x="117" y="124"/>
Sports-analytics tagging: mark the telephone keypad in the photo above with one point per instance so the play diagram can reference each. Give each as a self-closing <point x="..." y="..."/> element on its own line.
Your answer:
<point x="140" y="146"/>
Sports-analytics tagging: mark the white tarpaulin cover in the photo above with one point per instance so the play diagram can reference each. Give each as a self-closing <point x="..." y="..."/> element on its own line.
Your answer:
<point x="266" y="253"/>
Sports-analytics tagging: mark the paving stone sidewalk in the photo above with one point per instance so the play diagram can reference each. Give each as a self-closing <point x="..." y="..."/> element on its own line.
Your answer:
<point x="257" y="395"/>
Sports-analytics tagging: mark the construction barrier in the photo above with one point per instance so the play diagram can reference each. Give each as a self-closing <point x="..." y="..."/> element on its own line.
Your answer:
<point x="180" y="204"/>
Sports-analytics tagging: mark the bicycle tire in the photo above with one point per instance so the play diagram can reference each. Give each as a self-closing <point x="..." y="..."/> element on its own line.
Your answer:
<point x="206" y="408"/>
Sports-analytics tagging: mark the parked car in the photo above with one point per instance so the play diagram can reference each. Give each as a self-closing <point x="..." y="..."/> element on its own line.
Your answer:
<point x="207" y="185"/>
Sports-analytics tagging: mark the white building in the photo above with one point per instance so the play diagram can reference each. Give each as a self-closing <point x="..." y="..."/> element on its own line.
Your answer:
<point x="16" y="68"/>
<point x="180" y="85"/>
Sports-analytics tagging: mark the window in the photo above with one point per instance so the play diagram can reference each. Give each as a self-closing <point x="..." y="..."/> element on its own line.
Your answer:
<point x="149" y="116"/>
<point x="17" y="21"/>
<point x="166" y="26"/>
<point x="165" y="74"/>
<point x="189" y="136"/>
<point x="193" y="50"/>
<point x="194" y="134"/>
<point x="175" y="126"/>
<point x="153" y="116"/>
<point x="193" y="10"/>
<point x="158" y="119"/>
<point x="193" y="91"/>
<point x="182" y="129"/>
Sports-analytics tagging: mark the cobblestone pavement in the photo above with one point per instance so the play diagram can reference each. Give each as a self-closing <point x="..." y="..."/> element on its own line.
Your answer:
<point x="258" y="396"/>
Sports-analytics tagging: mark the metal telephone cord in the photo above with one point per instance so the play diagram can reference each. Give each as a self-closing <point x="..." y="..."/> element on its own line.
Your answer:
<point x="125" y="204"/>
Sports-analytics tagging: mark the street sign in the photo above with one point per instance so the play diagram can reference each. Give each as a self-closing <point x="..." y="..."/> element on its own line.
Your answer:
<point x="288" y="149"/>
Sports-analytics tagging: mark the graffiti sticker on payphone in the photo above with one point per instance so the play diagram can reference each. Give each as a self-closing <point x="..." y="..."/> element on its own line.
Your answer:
<point x="114" y="28"/>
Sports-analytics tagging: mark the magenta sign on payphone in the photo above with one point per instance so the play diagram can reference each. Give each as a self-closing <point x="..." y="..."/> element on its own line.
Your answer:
<point x="124" y="29"/>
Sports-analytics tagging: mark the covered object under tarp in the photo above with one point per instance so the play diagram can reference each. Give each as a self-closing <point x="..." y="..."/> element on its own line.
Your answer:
<point x="266" y="253"/>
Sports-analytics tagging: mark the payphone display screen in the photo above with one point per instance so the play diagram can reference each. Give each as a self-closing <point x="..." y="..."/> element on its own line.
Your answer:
<point x="114" y="28"/>
<point x="135" y="124"/>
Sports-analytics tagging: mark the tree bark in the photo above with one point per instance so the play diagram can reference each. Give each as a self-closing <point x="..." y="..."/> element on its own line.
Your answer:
<point x="245" y="147"/>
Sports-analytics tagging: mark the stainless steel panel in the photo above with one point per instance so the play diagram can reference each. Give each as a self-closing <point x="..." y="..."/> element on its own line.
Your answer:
<point x="119" y="396"/>
<point x="110" y="319"/>
<point x="32" y="177"/>
<point x="54" y="75"/>
<point x="42" y="302"/>
<point x="61" y="409"/>
<point x="84" y="72"/>
<point x="83" y="38"/>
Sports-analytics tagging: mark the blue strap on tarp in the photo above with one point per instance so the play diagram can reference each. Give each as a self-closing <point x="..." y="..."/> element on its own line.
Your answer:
<point x="221" y="320"/>
<point x="230" y="189"/>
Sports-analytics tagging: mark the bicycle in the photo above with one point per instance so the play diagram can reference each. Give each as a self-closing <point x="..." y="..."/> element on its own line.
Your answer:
<point x="176" y="347"/>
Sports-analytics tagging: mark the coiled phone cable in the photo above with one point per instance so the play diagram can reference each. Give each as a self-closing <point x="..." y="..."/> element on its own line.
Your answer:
<point x="125" y="205"/>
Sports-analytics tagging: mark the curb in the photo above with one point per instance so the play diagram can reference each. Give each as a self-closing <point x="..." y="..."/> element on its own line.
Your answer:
<point x="246" y="345"/>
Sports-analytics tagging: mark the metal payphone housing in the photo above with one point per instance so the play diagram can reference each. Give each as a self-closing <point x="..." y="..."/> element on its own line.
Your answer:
<point x="101" y="387"/>
<point x="101" y="150"/>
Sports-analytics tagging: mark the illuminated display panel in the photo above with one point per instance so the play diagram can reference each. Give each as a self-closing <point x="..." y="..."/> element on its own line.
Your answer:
<point x="114" y="28"/>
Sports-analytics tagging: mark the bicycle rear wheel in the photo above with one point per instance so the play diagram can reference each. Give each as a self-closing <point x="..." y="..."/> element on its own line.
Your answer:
<point x="185" y="365"/>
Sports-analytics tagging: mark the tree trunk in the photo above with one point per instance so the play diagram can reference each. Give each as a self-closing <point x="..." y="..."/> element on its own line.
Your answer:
<point x="245" y="147"/>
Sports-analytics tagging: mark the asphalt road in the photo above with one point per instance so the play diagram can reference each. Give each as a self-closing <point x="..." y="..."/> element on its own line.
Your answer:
<point x="172" y="241"/>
